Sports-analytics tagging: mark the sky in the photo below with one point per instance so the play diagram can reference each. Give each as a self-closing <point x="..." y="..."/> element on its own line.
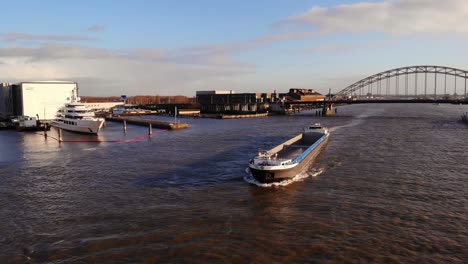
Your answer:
<point x="175" y="47"/>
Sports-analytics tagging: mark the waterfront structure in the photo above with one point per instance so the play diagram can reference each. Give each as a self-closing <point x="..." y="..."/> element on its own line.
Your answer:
<point x="304" y="95"/>
<point x="270" y="97"/>
<point x="228" y="102"/>
<point x="188" y="112"/>
<point x="6" y="101"/>
<point x="39" y="99"/>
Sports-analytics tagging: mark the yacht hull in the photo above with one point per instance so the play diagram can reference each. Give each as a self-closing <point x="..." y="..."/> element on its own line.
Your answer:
<point x="82" y="126"/>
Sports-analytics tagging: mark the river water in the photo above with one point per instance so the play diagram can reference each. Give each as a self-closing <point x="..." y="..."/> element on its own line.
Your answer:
<point x="391" y="186"/>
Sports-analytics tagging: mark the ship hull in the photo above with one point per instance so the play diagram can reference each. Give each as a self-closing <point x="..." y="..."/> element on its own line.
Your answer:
<point x="82" y="126"/>
<point x="278" y="175"/>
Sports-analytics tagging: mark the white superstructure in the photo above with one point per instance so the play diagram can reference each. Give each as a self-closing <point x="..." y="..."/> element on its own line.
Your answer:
<point x="77" y="117"/>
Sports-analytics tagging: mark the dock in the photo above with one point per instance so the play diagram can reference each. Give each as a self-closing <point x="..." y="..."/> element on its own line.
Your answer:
<point x="145" y="122"/>
<point x="226" y="116"/>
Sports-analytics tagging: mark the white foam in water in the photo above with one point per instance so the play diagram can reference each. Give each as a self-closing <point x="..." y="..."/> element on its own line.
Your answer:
<point x="299" y="177"/>
<point x="353" y="123"/>
<point x="89" y="149"/>
<point x="358" y="120"/>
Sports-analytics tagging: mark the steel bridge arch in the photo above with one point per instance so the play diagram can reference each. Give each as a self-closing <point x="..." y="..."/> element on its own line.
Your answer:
<point x="402" y="71"/>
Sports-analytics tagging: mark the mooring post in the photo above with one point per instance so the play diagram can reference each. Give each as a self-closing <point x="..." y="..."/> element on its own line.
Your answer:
<point x="60" y="135"/>
<point x="125" y="126"/>
<point x="45" y="130"/>
<point x="150" y="130"/>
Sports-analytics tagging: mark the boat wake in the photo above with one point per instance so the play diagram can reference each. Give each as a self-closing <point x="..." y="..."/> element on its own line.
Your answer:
<point x="356" y="121"/>
<point x="299" y="177"/>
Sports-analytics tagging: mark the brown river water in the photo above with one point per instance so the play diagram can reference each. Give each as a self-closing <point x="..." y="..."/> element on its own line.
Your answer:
<point x="391" y="186"/>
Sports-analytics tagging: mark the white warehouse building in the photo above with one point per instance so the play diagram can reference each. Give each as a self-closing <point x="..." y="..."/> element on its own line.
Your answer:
<point x="35" y="99"/>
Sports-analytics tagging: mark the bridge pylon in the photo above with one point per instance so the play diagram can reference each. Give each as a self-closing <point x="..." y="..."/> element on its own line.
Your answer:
<point x="327" y="109"/>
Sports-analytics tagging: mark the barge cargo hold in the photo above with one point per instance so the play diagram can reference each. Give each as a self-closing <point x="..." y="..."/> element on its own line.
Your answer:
<point x="290" y="158"/>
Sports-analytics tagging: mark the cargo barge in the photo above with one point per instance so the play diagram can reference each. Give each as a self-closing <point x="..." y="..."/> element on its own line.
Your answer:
<point x="290" y="158"/>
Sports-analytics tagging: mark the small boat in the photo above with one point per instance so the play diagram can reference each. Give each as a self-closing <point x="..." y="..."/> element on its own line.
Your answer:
<point x="77" y="117"/>
<point x="290" y="158"/>
<point x="27" y="123"/>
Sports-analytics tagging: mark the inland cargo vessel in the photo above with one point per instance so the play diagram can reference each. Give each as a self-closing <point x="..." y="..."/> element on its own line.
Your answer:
<point x="290" y="158"/>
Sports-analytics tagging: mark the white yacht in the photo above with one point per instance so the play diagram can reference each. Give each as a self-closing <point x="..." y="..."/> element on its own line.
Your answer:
<point x="77" y="117"/>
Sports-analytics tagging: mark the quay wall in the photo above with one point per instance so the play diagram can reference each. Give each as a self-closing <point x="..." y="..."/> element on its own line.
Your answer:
<point x="146" y="122"/>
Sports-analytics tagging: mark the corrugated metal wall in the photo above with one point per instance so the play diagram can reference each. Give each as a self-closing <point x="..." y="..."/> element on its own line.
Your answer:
<point x="6" y="101"/>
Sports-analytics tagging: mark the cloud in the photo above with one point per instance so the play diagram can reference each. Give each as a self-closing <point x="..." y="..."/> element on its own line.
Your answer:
<point x="347" y="47"/>
<point x="133" y="71"/>
<point x="209" y="55"/>
<point x="17" y="36"/>
<point x="96" y="28"/>
<point x="331" y="48"/>
<point x="397" y="17"/>
<point x="48" y="52"/>
<point x="284" y="37"/>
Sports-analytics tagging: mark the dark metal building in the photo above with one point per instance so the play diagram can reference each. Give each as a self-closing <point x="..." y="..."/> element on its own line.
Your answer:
<point x="227" y="102"/>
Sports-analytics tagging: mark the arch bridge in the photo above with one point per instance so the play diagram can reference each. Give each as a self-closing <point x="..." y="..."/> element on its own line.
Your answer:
<point x="412" y="83"/>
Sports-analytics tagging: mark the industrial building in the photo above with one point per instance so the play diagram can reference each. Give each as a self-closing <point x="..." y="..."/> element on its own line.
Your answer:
<point x="36" y="99"/>
<point x="225" y="97"/>
<point x="226" y="102"/>
<point x="6" y="101"/>
<point x="304" y="95"/>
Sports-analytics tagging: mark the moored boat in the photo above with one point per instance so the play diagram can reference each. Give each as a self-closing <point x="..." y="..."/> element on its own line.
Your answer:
<point x="27" y="123"/>
<point x="290" y="158"/>
<point x="77" y="117"/>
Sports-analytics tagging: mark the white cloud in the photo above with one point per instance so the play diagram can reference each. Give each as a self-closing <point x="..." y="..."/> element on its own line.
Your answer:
<point x="16" y="69"/>
<point x="348" y="47"/>
<point x="96" y="28"/>
<point x="134" y="71"/>
<point x="399" y="17"/>
<point x="18" y="36"/>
